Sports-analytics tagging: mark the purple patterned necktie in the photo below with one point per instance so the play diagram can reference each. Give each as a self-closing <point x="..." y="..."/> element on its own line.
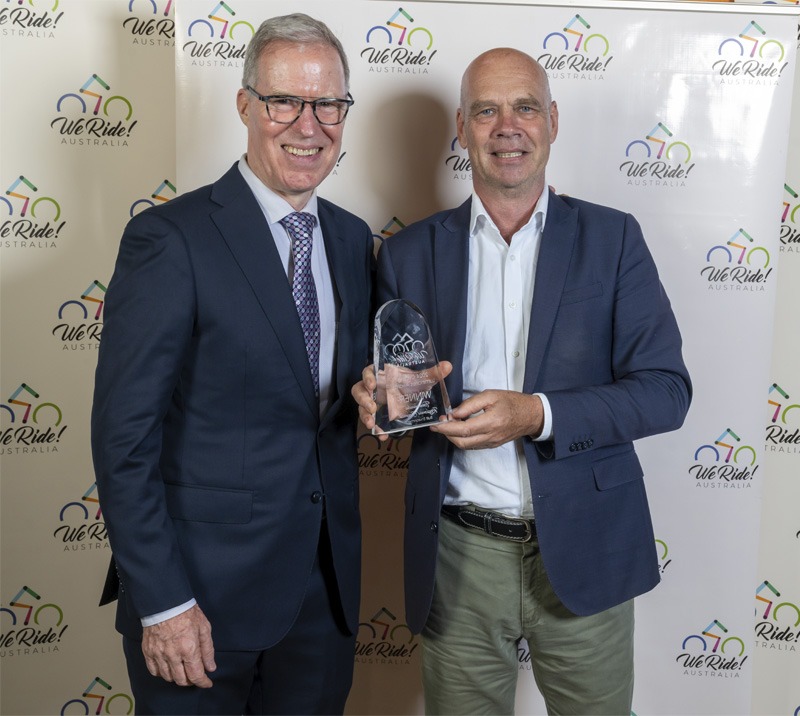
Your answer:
<point x="300" y="227"/>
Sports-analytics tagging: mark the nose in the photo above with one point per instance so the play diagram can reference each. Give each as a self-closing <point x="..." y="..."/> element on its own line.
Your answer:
<point x="307" y="122"/>
<point x="507" y="122"/>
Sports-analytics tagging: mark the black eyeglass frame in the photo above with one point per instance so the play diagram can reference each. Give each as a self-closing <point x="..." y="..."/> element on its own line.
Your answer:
<point x="349" y="102"/>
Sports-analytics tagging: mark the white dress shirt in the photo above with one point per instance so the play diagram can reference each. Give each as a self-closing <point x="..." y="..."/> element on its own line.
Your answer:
<point x="501" y="278"/>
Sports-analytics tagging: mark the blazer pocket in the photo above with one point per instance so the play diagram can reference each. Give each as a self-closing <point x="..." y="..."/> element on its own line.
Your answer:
<point x="209" y="504"/>
<point x="616" y="470"/>
<point x="582" y="294"/>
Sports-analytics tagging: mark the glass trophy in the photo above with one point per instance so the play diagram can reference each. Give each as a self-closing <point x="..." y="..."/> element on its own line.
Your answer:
<point x="411" y="392"/>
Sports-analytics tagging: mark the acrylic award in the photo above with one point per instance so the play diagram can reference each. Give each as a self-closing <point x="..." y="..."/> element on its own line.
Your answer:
<point x="410" y="392"/>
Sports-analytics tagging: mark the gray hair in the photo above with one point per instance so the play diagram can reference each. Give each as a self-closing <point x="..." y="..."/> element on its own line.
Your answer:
<point x="298" y="28"/>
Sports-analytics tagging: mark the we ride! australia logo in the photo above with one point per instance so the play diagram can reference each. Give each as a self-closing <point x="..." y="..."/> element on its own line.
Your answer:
<point x="384" y="640"/>
<point x="219" y="39"/>
<point x="458" y="162"/>
<point x="387" y="458"/>
<point x="28" y="424"/>
<point x="399" y="46"/>
<point x="577" y="52"/>
<point x="777" y="620"/>
<point x="783" y="428"/>
<point x="713" y="653"/>
<point x="150" y="25"/>
<point x="94" y="116"/>
<point x="751" y="58"/>
<point x="725" y="463"/>
<point x="97" y="694"/>
<point x="80" y="527"/>
<point x="30" y="220"/>
<point x="737" y="265"/>
<point x="37" y="19"/>
<point x="790" y="221"/>
<point x="79" y="325"/>
<point x="657" y="159"/>
<point x="29" y="625"/>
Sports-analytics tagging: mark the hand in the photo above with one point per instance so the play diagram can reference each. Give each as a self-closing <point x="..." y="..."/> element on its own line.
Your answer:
<point x="180" y="649"/>
<point x="364" y="390"/>
<point x="492" y="418"/>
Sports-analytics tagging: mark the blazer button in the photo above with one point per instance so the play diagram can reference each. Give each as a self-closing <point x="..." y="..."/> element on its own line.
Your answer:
<point x="590" y="443"/>
<point x="434" y="527"/>
<point x="316" y="496"/>
<point x="573" y="447"/>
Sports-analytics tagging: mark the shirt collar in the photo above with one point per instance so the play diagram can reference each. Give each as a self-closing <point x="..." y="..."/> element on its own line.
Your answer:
<point x="479" y="216"/>
<point x="274" y="206"/>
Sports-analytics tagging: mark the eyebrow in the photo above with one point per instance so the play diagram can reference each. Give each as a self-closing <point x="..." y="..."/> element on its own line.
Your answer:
<point x="479" y="104"/>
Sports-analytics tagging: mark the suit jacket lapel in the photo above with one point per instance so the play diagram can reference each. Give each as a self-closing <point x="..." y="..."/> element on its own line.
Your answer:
<point x="451" y="273"/>
<point x="340" y="261"/>
<point x="558" y="239"/>
<point x="246" y="232"/>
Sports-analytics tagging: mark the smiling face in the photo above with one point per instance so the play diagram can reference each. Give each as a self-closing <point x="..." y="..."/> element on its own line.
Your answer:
<point x="293" y="159"/>
<point x="507" y="123"/>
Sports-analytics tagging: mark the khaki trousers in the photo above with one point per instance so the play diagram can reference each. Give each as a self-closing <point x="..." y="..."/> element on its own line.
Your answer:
<point x="491" y="593"/>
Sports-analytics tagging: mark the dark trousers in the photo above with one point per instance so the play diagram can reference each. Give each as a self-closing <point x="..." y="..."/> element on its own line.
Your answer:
<point x="309" y="671"/>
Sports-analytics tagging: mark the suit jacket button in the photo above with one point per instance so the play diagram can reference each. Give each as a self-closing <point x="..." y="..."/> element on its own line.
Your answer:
<point x="434" y="527"/>
<point x="590" y="443"/>
<point x="316" y="496"/>
<point x="573" y="447"/>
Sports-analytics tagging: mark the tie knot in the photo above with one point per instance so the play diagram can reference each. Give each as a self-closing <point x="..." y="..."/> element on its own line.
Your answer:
<point x="299" y="224"/>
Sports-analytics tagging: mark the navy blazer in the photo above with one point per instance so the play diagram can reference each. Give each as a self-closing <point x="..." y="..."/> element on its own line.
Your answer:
<point x="605" y="349"/>
<point x="212" y="463"/>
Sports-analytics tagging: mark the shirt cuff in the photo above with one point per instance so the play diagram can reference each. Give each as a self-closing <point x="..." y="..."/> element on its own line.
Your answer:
<point x="154" y="619"/>
<point x="547" y="422"/>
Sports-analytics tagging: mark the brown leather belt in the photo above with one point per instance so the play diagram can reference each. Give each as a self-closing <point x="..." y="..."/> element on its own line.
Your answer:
<point x="514" y="529"/>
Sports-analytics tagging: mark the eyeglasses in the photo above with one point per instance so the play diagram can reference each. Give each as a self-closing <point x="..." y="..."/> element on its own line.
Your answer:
<point x="285" y="109"/>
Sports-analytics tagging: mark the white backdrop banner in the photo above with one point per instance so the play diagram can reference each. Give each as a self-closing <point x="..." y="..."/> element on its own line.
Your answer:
<point x="676" y="113"/>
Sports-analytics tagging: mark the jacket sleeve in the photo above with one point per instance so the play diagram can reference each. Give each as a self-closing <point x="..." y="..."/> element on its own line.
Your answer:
<point x="147" y="333"/>
<point x="649" y="390"/>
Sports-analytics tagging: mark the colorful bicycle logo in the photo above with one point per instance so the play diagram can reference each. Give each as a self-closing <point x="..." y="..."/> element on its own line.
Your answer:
<point x="664" y="148"/>
<point x="765" y="585"/>
<point x="775" y="388"/>
<point x="30" y="411"/>
<point x="157" y="195"/>
<point x="99" y="291"/>
<point x="390" y="628"/>
<point x="14" y="191"/>
<point x="101" y="699"/>
<point x="719" y="642"/>
<point x="89" y="496"/>
<point x="31" y="2"/>
<point x="154" y="6"/>
<point x="733" y="451"/>
<point x="29" y="608"/>
<point x="751" y="34"/>
<point x="392" y="444"/>
<point x="405" y="35"/>
<point x="222" y="22"/>
<point x="84" y="90"/>
<point x="744" y="254"/>
<point x="576" y="27"/>
<point x="390" y="228"/>
<point x="787" y="205"/>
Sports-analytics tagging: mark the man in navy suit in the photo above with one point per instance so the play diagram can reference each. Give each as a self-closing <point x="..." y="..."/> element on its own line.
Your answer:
<point x="223" y="430"/>
<point x="526" y="515"/>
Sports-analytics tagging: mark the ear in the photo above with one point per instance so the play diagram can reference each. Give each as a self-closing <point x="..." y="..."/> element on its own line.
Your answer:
<point x="462" y="135"/>
<point x="243" y="105"/>
<point x="553" y="121"/>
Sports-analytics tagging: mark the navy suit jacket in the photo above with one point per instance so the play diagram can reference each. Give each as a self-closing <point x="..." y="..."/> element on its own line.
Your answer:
<point x="605" y="349"/>
<point x="212" y="462"/>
